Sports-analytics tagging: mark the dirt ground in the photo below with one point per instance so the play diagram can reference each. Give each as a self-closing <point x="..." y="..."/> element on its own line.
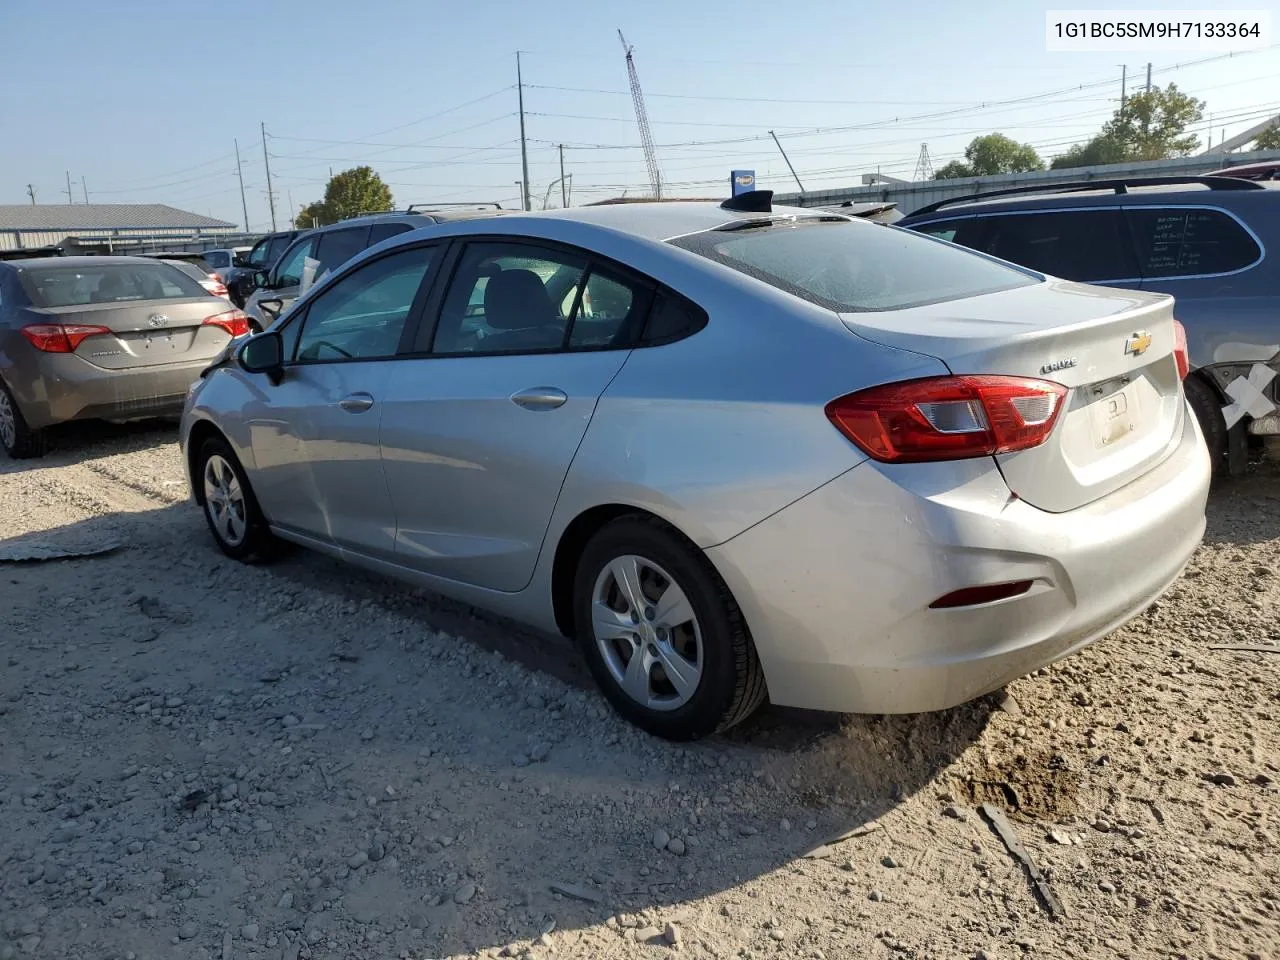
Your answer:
<point x="200" y="759"/>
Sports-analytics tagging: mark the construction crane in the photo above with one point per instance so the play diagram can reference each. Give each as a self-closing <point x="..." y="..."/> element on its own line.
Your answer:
<point x="642" y="120"/>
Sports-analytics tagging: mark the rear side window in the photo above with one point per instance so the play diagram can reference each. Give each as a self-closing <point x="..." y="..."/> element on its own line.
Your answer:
<point x="672" y="317"/>
<point x="1187" y="243"/>
<point x="217" y="259"/>
<point x="339" y="246"/>
<point x="1086" y="245"/>
<point x="107" y="283"/>
<point x="385" y="231"/>
<point x="855" y="266"/>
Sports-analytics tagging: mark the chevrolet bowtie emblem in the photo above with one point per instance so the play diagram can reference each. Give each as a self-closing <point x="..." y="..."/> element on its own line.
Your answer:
<point x="1138" y="343"/>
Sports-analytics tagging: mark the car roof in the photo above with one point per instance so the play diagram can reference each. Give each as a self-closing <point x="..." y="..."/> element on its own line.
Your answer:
<point x="1223" y="191"/>
<point x="85" y="261"/>
<point x="667" y="220"/>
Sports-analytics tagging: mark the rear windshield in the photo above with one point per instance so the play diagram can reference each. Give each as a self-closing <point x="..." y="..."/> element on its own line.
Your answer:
<point x="854" y="267"/>
<point x="56" y="286"/>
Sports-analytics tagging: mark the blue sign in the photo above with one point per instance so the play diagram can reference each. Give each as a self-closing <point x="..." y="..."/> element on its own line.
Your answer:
<point x="741" y="181"/>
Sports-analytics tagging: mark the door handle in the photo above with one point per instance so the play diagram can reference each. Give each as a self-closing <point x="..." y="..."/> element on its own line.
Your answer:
<point x="539" y="398"/>
<point x="356" y="403"/>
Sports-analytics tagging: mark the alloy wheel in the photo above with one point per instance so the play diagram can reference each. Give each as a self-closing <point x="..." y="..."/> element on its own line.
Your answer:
<point x="647" y="632"/>
<point x="224" y="501"/>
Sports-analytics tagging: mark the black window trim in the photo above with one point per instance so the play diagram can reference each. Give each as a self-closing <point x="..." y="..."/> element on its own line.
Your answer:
<point x="1133" y="240"/>
<point x="420" y="299"/>
<point x="429" y="320"/>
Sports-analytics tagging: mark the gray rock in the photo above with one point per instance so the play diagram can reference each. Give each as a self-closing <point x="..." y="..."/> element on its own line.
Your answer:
<point x="1102" y="825"/>
<point x="540" y="752"/>
<point x="875" y="896"/>
<point x="645" y="934"/>
<point x="315" y="883"/>
<point x="889" y="862"/>
<point x="187" y="931"/>
<point x="1106" y="886"/>
<point x="357" y="860"/>
<point x="676" y="846"/>
<point x="464" y="893"/>
<point x="249" y="931"/>
<point x="367" y="735"/>
<point x="191" y="846"/>
<point x="1221" y="778"/>
<point x="289" y="720"/>
<point x="776" y="934"/>
<point x="672" y="935"/>
<point x="660" y="839"/>
<point x="954" y="812"/>
<point x="376" y="852"/>
<point x="747" y="830"/>
<point x="286" y="901"/>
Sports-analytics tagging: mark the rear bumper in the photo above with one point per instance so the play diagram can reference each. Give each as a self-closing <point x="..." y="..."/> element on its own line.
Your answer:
<point x="836" y="587"/>
<point x="64" y="387"/>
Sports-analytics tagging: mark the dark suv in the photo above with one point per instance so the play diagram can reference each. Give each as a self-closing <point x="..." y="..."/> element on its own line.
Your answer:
<point x="1202" y="239"/>
<point x="315" y="252"/>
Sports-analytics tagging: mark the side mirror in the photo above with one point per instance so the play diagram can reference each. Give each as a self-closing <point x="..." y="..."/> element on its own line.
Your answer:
<point x="263" y="354"/>
<point x="261" y="279"/>
<point x="272" y="307"/>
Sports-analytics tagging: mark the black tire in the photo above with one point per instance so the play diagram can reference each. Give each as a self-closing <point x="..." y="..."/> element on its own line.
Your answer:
<point x="732" y="682"/>
<point x="1207" y="405"/>
<point x="17" y="438"/>
<point x="256" y="543"/>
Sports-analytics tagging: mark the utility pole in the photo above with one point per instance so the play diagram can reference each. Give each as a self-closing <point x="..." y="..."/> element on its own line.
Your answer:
<point x="564" y="195"/>
<point x="85" y="187"/>
<point x="266" y="162"/>
<point x="1148" y="78"/>
<point x="31" y="192"/>
<point x="1124" y="84"/>
<point x="524" y="150"/>
<point x="244" y="207"/>
<point x="788" y="159"/>
<point x="71" y="197"/>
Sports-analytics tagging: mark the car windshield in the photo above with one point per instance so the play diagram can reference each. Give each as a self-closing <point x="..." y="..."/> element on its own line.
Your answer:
<point x="61" y="286"/>
<point x="853" y="267"/>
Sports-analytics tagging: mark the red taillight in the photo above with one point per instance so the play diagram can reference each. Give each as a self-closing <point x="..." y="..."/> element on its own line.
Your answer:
<point x="215" y="277"/>
<point x="948" y="418"/>
<point x="217" y="288"/>
<point x="1180" y="350"/>
<point x="233" y="321"/>
<point x="972" y="596"/>
<point x="60" y="337"/>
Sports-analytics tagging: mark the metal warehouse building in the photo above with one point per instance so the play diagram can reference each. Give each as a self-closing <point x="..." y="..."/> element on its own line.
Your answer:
<point x="107" y="227"/>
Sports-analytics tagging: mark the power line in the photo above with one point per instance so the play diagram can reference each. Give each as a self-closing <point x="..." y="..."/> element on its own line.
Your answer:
<point x="722" y="99"/>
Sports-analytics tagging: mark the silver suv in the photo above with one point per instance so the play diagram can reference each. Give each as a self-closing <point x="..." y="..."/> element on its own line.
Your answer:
<point x="317" y="252"/>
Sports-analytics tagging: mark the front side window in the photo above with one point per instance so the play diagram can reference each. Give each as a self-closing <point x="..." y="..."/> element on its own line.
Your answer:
<point x="1190" y="242"/>
<point x="1085" y="245"/>
<point x="854" y="266"/>
<point x="290" y="269"/>
<point x="509" y="297"/>
<point x="362" y="315"/>
<point x="107" y="283"/>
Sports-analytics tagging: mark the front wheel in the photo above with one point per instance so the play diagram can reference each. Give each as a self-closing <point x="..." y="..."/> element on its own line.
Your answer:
<point x="661" y="633"/>
<point x="230" y="508"/>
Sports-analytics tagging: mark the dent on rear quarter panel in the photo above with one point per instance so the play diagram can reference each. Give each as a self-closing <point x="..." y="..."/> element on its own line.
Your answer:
<point x="718" y="431"/>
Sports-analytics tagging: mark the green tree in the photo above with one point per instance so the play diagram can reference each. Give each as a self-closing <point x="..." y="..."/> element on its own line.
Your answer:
<point x="349" y="193"/>
<point x="991" y="154"/>
<point x="1269" y="139"/>
<point x="1151" y="125"/>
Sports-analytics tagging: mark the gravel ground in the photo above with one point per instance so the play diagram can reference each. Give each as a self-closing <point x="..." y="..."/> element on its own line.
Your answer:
<point x="201" y="759"/>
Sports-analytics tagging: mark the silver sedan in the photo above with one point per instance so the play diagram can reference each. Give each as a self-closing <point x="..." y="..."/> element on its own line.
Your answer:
<point x="734" y="451"/>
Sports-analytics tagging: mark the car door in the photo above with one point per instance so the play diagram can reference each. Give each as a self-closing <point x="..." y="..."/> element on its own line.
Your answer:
<point x="315" y="437"/>
<point x="480" y="425"/>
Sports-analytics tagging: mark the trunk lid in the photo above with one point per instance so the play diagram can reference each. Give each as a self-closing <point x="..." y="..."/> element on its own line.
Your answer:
<point x="144" y="333"/>
<point x="1112" y="349"/>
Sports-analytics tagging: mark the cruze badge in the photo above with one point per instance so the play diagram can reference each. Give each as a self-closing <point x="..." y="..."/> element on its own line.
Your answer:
<point x="1059" y="365"/>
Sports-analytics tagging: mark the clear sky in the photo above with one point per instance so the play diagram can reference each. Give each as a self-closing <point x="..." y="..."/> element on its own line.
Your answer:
<point x="142" y="99"/>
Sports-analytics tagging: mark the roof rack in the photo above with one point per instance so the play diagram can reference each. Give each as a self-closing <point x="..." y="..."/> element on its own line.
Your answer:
<point x="428" y="207"/>
<point x="1115" y="185"/>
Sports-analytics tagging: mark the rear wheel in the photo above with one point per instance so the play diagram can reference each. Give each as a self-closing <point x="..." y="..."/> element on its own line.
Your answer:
<point x="230" y="508"/>
<point x="18" y="439"/>
<point x="1207" y="406"/>
<point x="662" y="635"/>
